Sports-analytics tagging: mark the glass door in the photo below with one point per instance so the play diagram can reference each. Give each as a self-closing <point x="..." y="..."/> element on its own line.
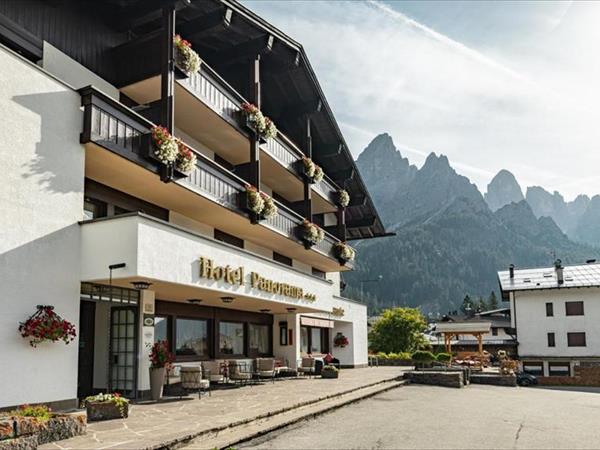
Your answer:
<point x="123" y="350"/>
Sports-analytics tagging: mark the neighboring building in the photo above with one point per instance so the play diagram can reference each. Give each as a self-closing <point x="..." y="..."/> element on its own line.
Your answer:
<point x="494" y="325"/>
<point x="82" y="191"/>
<point x="555" y="311"/>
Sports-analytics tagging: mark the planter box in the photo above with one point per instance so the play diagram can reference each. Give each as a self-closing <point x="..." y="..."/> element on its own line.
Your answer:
<point x="105" y="411"/>
<point x="329" y="374"/>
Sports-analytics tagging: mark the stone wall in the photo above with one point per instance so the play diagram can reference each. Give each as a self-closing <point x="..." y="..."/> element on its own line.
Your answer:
<point x="583" y="376"/>
<point x="496" y="380"/>
<point x="446" y="378"/>
<point x="396" y="362"/>
<point x="20" y="433"/>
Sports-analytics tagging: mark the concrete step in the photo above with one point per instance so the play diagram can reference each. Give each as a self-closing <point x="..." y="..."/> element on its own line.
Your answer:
<point x="244" y="432"/>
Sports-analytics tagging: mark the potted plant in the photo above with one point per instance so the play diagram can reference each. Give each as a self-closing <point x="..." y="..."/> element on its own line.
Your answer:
<point x="270" y="209"/>
<point x="340" y="340"/>
<point x="185" y="58"/>
<point x="45" y="325"/>
<point x="165" y="145"/>
<point x="257" y="121"/>
<point x="329" y="371"/>
<point x="344" y="253"/>
<point x="343" y="198"/>
<point x="311" y="234"/>
<point x="260" y="205"/>
<point x="106" y="407"/>
<point x="186" y="159"/>
<point x="160" y="359"/>
<point x="311" y="171"/>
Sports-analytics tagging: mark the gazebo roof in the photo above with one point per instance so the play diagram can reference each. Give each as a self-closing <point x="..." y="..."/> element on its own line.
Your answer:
<point x="463" y="327"/>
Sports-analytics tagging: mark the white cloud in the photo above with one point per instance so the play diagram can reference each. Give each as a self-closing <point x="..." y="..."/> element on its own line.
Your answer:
<point x="528" y="105"/>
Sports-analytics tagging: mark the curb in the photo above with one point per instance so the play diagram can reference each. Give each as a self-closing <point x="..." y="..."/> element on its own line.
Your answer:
<point x="180" y="441"/>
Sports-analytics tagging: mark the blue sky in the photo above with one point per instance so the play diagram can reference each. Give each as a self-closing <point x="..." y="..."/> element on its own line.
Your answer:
<point x="492" y="85"/>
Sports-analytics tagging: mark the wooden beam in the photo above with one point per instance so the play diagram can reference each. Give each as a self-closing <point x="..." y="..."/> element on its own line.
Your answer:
<point x="357" y="200"/>
<point x="207" y="23"/>
<point x="329" y="150"/>
<point x="146" y="11"/>
<point x="276" y="65"/>
<point x="292" y="111"/>
<point x="340" y="175"/>
<point x="245" y="51"/>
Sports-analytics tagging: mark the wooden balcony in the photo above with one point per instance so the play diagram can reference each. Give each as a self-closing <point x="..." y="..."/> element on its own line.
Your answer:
<point x="210" y="194"/>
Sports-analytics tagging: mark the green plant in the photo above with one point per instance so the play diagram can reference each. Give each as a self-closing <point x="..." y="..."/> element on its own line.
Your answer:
<point x="382" y="355"/>
<point x="421" y="357"/>
<point x="40" y="412"/>
<point x="398" y="330"/>
<point x="443" y="357"/>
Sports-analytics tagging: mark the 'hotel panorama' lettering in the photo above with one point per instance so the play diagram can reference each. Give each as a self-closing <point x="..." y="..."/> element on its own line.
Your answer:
<point x="236" y="276"/>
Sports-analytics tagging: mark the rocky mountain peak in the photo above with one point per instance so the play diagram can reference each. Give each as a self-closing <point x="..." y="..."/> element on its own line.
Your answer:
<point x="503" y="190"/>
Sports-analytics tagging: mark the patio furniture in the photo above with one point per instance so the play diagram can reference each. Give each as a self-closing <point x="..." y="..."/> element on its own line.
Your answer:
<point x="265" y="368"/>
<point x="239" y="372"/>
<point x="307" y="366"/>
<point x="218" y="372"/>
<point x="373" y="361"/>
<point x="192" y="380"/>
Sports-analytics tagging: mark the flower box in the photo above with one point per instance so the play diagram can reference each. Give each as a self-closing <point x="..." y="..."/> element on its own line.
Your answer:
<point x="330" y="372"/>
<point x="105" y="411"/>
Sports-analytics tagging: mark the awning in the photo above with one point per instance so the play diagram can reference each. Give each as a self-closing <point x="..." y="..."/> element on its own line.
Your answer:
<point x="314" y="322"/>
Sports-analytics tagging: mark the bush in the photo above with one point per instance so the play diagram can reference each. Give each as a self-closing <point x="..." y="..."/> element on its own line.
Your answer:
<point x="443" y="357"/>
<point x="421" y="357"/>
<point x="382" y="355"/>
<point x="40" y="412"/>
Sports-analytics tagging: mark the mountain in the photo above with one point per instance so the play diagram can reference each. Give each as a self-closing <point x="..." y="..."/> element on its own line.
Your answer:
<point x="587" y="229"/>
<point x="503" y="190"/>
<point x="448" y="241"/>
<point x="566" y="214"/>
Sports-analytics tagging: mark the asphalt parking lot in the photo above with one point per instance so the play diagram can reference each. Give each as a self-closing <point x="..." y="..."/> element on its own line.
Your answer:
<point x="477" y="417"/>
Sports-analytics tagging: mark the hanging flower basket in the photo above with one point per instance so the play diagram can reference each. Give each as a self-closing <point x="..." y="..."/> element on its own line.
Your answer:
<point x="312" y="172"/>
<point x="270" y="209"/>
<point x="164" y="144"/>
<point x="259" y="122"/>
<point x="340" y="341"/>
<point x="186" y="58"/>
<point x="311" y="234"/>
<point x="186" y="159"/>
<point x="45" y="325"/>
<point x="344" y="253"/>
<point x="260" y="205"/>
<point x="343" y="198"/>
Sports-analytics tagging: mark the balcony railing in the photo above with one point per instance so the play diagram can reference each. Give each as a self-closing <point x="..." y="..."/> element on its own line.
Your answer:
<point x="327" y="189"/>
<point x="112" y="125"/>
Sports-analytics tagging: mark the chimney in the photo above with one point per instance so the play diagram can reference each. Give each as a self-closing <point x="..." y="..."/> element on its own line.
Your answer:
<point x="590" y="261"/>
<point x="559" y="271"/>
<point x="511" y="271"/>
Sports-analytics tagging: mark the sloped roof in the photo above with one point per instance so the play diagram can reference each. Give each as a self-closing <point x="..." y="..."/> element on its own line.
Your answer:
<point x="577" y="276"/>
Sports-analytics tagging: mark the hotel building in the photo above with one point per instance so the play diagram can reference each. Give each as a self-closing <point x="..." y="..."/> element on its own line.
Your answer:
<point x="131" y="250"/>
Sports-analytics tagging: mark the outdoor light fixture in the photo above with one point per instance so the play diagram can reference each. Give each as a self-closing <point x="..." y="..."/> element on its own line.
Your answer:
<point x="265" y="310"/>
<point x="141" y="285"/>
<point x="227" y="299"/>
<point x="194" y="301"/>
<point x="291" y="309"/>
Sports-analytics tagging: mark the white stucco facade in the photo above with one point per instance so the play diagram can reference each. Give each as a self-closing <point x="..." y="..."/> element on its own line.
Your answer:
<point x="40" y="204"/>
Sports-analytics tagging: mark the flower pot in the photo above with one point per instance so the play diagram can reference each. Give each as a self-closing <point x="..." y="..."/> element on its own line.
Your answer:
<point x="105" y="411"/>
<point x="157" y="381"/>
<point x="329" y="374"/>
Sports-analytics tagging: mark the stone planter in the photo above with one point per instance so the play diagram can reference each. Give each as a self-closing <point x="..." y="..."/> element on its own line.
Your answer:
<point x="105" y="411"/>
<point x="19" y="433"/>
<point x="327" y="373"/>
<point x="157" y="381"/>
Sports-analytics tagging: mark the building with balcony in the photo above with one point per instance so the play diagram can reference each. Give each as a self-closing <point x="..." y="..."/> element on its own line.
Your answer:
<point x="131" y="246"/>
<point x="555" y="311"/>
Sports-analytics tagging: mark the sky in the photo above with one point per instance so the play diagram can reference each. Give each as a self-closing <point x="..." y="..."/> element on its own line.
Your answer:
<point x="492" y="85"/>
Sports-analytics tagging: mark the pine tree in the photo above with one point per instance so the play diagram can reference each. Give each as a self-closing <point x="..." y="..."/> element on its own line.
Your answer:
<point x="467" y="305"/>
<point x="493" y="301"/>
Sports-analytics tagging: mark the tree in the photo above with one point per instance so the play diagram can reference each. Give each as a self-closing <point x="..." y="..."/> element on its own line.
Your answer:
<point x="493" y="301"/>
<point x="481" y="305"/>
<point x="467" y="305"/>
<point x="398" y="330"/>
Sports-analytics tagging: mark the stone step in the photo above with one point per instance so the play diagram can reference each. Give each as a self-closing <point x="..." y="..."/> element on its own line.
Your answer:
<point x="241" y="433"/>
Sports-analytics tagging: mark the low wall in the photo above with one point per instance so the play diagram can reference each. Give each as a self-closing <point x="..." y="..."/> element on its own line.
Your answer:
<point x="583" y="376"/>
<point x="445" y="378"/>
<point x="396" y="362"/>
<point x="493" y="379"/>
<point x="19" y="433"/>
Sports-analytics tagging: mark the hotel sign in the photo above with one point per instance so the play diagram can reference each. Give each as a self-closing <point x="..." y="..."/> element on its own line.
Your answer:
<point x="235" y="276"/>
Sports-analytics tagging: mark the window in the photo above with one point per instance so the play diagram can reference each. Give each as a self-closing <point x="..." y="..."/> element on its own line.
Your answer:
<point x="549" y="310"/>
<point x="92" y="208"/>
<point x="304" y="339"/>
<point x="314" y="340"/>
<point x="191" y="337"/>
<point x="160" y="329"/>
<point x="228" y="238"/>
<point x="231" y="338"/>
<point x="282" y="259"/>
<point x="551" y="340"/>
<point x="576" y="339"/>
<point x="533" y="367"/>
<point x="318" y="273"/>
<point x="494" y="331"/>
<point x="259" y="339"/>
<point x="574" y="308"/>
<point x="559" y="369"/>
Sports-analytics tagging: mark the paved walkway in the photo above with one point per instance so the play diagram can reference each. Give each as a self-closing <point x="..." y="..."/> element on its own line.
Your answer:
<point x="153" y="425"/>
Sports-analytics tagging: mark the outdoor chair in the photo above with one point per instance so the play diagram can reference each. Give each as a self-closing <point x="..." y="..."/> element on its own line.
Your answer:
<point x="239" y="372"/>
<point x="307" y="366"/>
<point x="192" y="380"/>
<point x="265" y="368"/>
<point x="214" y="368"/>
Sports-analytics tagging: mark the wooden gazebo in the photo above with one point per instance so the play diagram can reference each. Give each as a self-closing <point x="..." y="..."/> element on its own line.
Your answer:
<point x="451" y="330"/>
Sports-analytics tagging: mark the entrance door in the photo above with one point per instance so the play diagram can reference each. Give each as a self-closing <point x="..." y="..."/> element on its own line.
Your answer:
<point x="85" y="372"/>
<point x="123" y="350"/>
